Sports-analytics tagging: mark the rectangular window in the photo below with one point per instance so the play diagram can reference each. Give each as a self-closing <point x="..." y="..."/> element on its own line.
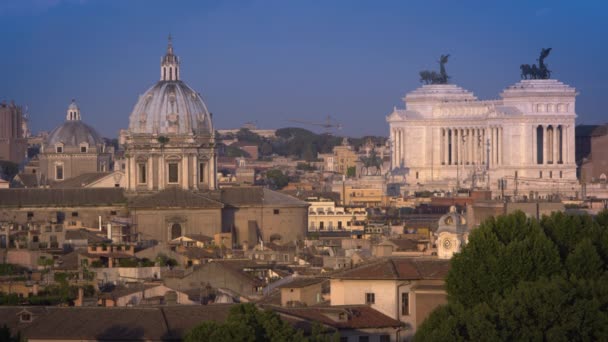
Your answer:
<point x="201" y="172"/>
<point x="74" y="214"/>
<point x="540" y="174"/>
<point x="59" y="172"/>
<point x="405" y="303"/>
<point x="141" y="178"/>
<point x="275" y="211"/>
<point x="560" y="174"/>
<point x="173" y="178"/>
<point x="370" y="298"/>
<point x="59" y="149"/>
<point x="30" y="214"/>
<point x="83" y="149"/>
<point x="363" y="338"/>
<point x="113" y="212"/>
<point x="339" y="224"/>
<point x="321" y="225"/>
<point x="550" y="174"/>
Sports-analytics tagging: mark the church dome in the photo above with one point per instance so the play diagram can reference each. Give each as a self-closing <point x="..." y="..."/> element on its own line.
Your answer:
<point x="73" y="131"/>
<point x="452" y="222"/>
<point x="170" y="106"/>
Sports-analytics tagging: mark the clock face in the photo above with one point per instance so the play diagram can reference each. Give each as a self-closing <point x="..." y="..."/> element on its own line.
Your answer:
<point x="447" y="244"/>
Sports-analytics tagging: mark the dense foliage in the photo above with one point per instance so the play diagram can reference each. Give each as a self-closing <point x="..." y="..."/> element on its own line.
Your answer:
<point x="519" y="279"/>
<point x="276" y="179"/>
<point x="293" y="142"/>
<point x="248" y="324"/>
<point x="7" y="336"/>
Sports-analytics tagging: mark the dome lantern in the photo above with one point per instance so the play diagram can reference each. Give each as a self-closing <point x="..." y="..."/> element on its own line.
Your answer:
<point x="169" y="65"/>
<point x="73" y="113"/>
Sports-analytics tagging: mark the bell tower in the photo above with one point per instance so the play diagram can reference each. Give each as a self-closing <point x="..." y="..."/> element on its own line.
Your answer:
<point x="169" y="64"/>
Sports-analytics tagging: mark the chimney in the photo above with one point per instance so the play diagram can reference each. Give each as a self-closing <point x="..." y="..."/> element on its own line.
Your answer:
<point x="80" y="299"/>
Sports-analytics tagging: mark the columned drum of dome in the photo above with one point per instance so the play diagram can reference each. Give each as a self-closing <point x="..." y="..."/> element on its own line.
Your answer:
<point x="170" y="140"/>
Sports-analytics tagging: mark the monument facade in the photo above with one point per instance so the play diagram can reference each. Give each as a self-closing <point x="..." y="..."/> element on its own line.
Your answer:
<point x="522" y="144"/>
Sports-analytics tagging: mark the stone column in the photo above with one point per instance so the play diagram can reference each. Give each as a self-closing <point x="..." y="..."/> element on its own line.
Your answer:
<point x="570" y="144"/>
<point x="194" y="171"/>
<point x="457" y="138"/>
<point x="443" y="149"/>
<point x="184" y="177"/>
<point x="130" y="172"/>
<point x="474" y="140"/>
<point x="403" y="147"/>
<point x="544" y="145"/>
<point x="555" y="144"/>
<point x="467" y="144"/>
<point x="500" y="143"/>
<point x="534" y="145"/>
<point x="161" y="172"/>
<point x="150" y="173"/>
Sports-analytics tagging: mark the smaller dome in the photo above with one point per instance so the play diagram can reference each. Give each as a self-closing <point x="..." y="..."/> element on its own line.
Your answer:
<point x="74" y="133"/>
<point x="452" y="222"/>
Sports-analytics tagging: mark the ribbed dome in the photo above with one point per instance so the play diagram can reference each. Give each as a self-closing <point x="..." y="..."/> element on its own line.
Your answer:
<point x="170" y="107"/>
<point x="73" y="133"/>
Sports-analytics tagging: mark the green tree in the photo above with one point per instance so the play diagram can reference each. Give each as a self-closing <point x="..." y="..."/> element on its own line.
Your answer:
<point x="246" y="323"/>
<point x="351" y="172"/>
<point x="7" y="336"/>
<point x="277" y="179"/>
<point x="520" y="279"/>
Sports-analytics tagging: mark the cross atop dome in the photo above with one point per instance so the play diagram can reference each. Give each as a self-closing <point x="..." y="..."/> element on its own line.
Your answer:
<point x="169" y="65"/>
<point x="73" y="113"/>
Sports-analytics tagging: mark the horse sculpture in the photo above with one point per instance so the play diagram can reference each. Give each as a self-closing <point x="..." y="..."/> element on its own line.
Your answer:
<point x="372" y="161"/>
<point x="432" y="77"/>
<point x="537" y="73"/>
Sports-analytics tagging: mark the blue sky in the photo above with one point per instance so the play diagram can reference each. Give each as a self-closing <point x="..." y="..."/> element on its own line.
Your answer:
<point x="270" y="61"/>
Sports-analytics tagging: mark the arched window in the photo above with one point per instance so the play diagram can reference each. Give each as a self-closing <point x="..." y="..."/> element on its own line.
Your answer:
<point x="170" y="73"/>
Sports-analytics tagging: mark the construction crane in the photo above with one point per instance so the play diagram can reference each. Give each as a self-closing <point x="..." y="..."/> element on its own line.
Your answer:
<point x="329" y="124"/>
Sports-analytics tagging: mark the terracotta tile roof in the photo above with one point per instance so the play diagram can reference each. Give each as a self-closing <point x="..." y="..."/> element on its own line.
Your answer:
<point x="254" y="196"/>
<point x="83" y="234"/>
<point x="175" y="198"/>
<point x="353" y="316"/>
<point x="81" y="180"/>
<point x="398" y="268"/>
<point x="404" y="244"/>
<point x="300" y="282"/>
<point x="61" y="197"/>
<point x="114" y="324"/>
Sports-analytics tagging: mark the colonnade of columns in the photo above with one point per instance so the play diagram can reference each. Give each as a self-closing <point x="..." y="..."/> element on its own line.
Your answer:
<point x="471" y="146"/>
<point x="551" y="144"/>
<point x="397" y="137"/>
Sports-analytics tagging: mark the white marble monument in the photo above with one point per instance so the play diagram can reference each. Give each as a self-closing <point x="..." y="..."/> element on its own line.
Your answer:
<point x="522" y="143"/>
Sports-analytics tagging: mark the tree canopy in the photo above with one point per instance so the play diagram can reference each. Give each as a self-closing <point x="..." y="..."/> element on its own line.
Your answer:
<point x="520" y="279"/>
<point x="248" y="324"/>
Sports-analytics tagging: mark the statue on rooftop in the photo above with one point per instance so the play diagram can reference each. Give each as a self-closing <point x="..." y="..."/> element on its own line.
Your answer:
<point x="432" y="77"/>
<point x="532" y="72"/>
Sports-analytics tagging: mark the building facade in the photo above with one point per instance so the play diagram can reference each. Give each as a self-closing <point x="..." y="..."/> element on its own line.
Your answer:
<point x="13" y="142"/>
<point x="523" y="143"/>
<point x="170" y="141"/>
